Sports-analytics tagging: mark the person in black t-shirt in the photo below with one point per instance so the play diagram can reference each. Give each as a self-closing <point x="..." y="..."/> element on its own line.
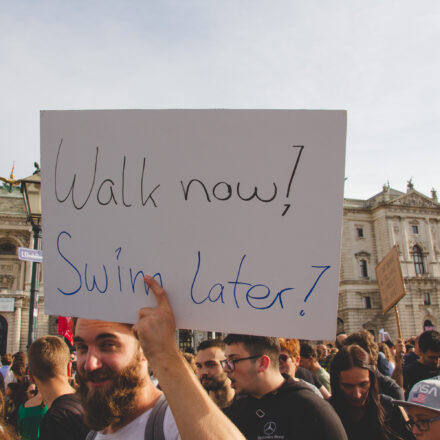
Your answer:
<point x="49" y="358"/>
<point x="428" y="364"/>
<point x="269" y="405"/>
<point x="364" y="412"/>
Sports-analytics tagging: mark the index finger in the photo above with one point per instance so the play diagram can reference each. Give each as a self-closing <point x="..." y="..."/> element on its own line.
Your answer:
<point x="159" y="292"/>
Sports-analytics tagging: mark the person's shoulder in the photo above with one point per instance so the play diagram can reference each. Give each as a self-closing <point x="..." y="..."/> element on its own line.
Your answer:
<point x="300" y="395"/>
<point x="66" y="398"/>
<point x="413" y="366"/>
<point x="67" y="403"/>
<point x="389" y="387"/>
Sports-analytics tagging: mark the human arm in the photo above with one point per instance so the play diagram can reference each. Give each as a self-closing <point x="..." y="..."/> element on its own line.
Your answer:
<point x="196" y="415"/>
<point x="324" y="392"/>
<point x="397" y="373"/>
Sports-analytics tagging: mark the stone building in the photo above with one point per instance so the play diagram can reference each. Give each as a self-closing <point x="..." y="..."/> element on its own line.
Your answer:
<point x="370" y="229"/>
<point x="15" y="275"/>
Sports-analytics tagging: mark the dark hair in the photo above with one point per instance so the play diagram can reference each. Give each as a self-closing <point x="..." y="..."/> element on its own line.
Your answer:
<point x="389" y="343"/>
<point x="18" y="366"/>
<point x="365" y="340"/>
<point x="7" y="359"/>
<point x="349" y="357"/>
<point x="307" y="351"/>
<point x="8" y="430"/>
<point x="429" y="340"/>
<point x="257" y="345"/>
<point x="209" y="343"/>
<point x="16" y="398"/>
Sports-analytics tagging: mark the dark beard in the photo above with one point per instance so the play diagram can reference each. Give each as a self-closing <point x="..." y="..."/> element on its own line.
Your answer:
<point x="109" y="406"/>
<point x="217" y="382"/>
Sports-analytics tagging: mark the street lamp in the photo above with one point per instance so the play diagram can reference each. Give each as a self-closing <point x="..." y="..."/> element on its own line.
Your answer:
<point x="31" y="189"/>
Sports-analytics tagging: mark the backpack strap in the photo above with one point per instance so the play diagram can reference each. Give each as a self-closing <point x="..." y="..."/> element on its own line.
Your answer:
<point x="154" y="427"/>
<point x="91" y="435"/>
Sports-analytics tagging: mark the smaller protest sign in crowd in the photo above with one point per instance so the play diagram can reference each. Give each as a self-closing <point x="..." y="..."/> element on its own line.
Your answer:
<point x="125" y="381"/>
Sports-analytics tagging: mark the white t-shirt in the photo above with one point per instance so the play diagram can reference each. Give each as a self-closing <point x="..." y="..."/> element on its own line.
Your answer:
<point x="135" y="430"/>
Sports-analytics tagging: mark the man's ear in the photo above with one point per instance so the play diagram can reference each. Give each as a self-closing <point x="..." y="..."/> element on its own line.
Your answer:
<point x="141" y="352"/>
<point x="296" y="361"/>
<point x="263" y="363"/>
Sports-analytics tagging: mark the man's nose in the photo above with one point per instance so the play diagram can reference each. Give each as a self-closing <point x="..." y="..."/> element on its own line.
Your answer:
<point x="92" y="362"/>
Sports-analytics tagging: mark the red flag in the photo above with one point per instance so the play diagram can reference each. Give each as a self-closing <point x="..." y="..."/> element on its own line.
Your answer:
<point x="65" y="327"/>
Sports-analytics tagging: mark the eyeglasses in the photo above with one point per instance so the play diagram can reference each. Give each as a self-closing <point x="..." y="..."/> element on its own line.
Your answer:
<point x="230" y="363"/>
<point x="422" y="425"/>
<point x="283" y="357"/>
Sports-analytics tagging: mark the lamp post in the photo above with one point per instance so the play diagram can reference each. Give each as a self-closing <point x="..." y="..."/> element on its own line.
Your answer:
<point x="31" y="189"/>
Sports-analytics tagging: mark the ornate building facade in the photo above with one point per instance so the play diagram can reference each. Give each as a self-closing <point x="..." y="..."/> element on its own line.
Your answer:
<point x="15" y="275"/>
<point x="371" y="227"/>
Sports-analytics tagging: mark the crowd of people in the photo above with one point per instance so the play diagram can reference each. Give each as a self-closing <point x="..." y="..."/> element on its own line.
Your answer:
<point x="132" y="382"/>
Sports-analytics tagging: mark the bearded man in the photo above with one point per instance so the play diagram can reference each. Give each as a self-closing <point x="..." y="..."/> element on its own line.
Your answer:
<point x="211" y="374"/>
<point x="119" y="397"/>
<point x="114" y="385"/>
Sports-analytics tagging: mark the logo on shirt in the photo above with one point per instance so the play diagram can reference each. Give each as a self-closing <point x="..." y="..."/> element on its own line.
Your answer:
<point x="260" y="413"/>
<point x="270" y="428"/>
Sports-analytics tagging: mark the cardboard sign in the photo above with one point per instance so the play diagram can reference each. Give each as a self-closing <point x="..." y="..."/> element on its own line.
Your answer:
<point x="390" y="280"/>
<point x="236" y="212"/>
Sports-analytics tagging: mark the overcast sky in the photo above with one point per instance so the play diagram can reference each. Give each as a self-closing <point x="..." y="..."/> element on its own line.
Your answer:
<point x="379" y="60"/>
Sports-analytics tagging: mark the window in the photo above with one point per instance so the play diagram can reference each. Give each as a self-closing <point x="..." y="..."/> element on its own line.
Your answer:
<point x="364" y="269"/>
<point x="418" y="260"/>
<point x="415" y="229"/>
<point x="360" y="232"/>
<point x="427" y="299"/>
<point x="366" y="301"/>
<point x="7" y="248"/>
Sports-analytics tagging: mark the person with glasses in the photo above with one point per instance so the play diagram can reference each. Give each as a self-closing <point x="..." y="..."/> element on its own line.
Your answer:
<point x="269" y="404"/>
<point x="423" y="406"/>
<point x="365" y="413"/>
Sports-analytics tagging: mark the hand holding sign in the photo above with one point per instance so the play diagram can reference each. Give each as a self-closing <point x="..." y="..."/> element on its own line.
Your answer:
<point x="156" y="328"/>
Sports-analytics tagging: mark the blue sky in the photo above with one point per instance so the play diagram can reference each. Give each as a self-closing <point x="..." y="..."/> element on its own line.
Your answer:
<point x="378" y="59"/>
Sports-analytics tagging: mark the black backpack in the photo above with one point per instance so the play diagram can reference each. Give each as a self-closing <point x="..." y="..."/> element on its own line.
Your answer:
<point x="154" y="426"/>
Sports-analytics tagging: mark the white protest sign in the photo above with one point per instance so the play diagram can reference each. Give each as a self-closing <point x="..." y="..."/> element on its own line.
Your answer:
<point x="236" y="212"/>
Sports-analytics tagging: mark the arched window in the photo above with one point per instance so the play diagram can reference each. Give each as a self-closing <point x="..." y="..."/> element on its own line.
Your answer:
<point x="418" y="260"/>
<point x="428" y="325"/>
<point x="7" y="248"/>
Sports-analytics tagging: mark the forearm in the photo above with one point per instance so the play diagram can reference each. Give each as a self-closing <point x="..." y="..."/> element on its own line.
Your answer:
<point x="196" y="415"/>
<point x="398" y="372"/>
